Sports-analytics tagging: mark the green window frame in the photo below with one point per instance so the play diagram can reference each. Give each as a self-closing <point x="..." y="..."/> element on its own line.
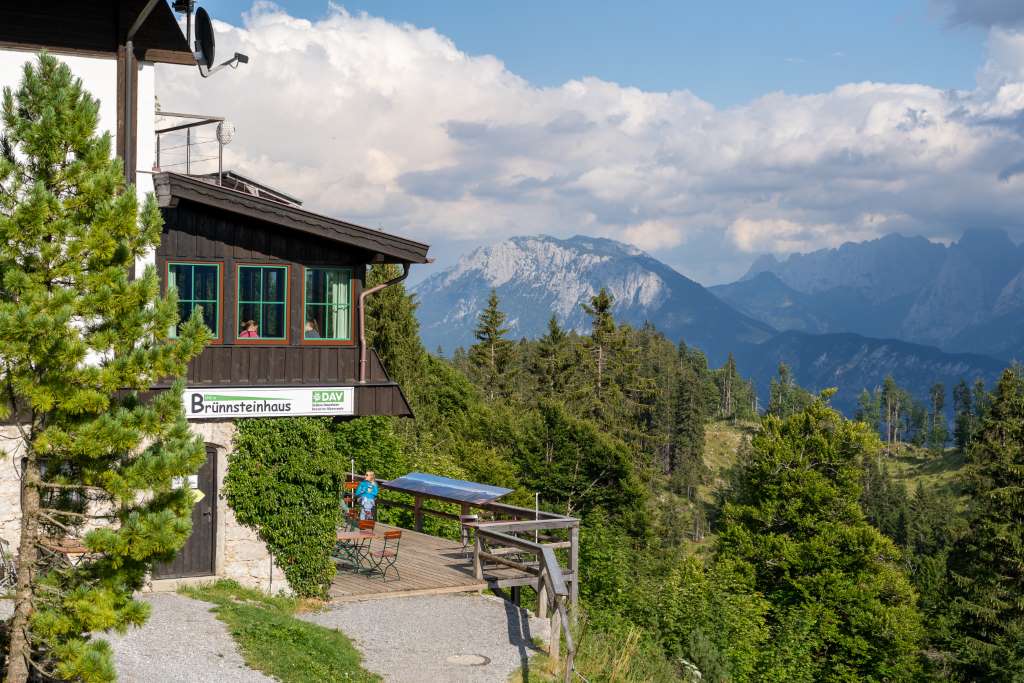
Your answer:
<point x="327" y="304"/>
<point x="262" y="292"/>
<point x="195" y="292"/>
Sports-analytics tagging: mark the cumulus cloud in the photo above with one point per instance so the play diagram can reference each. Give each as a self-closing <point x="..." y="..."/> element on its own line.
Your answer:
<point x="393" y="126"/>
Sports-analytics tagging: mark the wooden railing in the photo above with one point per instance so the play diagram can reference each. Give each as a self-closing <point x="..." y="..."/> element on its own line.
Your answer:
<point x="499" y="540"/>
<point x="552" y="590"/>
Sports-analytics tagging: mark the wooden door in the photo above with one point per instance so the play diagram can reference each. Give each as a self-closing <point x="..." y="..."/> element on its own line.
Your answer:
<point x="198" y="556"/>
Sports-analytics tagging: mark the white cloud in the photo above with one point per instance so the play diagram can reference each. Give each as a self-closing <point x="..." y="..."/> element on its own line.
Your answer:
<point x="652" y="235"/>
<point x="394" y="126"/>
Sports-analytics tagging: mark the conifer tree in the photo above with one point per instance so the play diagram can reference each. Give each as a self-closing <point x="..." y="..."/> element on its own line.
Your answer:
<point x="392" y="329"/>
<point x="553" y="360"/>
<point x="937" y="432"/>
<point x="987" y="564"/>
<point x="785" y="397"/>
<point x="841" y="607"/>
<point x="78" y="340"/>
<point x="491" y="356"/>
<point x="602" y="328"/>
<point x="686" y="465"/>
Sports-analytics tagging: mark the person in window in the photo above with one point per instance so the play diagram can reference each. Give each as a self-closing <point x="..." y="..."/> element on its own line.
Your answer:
<point x="248" y="330"/>
<point x="312" y="329"/>
<point x="366" y="494"/>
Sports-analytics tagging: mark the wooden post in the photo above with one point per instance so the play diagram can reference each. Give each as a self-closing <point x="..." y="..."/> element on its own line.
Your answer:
<point x="554" y="649"/>
<point x="418" y="514"/>
<point x="478" y="570"/>
<point x="574" y="567"/>
<point x="542" y="597"/>
<point x="515" y="595"/>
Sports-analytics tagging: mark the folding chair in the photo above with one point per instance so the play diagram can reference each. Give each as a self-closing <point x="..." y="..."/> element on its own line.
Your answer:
<point x="386" y="559"/>
<point x="366" y="526"/>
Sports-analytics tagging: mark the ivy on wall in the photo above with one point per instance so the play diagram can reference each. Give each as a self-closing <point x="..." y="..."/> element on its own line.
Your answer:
<point x="283" y="481"/>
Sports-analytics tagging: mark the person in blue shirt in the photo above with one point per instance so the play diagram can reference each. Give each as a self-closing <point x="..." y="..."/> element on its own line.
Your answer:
<point x="366" y="494"/>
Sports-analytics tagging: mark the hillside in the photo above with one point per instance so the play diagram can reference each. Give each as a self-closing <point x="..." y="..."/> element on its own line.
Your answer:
<point x="851" y="363"/>
<point x="538" y="276"/>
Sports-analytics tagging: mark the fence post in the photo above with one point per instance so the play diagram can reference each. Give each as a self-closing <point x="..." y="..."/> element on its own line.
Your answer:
<point x="542" y="596"/>
<point x="574" y="567"/>
<point x="554" y="649"/>
<point x="478" y="570"/>
<point x="418" y="513"/>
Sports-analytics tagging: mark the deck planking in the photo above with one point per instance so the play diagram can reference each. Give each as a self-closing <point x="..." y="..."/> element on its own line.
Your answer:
<point x="428" y="565"/>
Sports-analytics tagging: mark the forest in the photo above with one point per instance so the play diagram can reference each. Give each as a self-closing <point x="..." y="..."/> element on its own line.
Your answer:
<point x="727" y="541"/>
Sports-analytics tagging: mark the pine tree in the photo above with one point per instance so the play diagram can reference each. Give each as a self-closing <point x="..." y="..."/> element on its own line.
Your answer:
<point x="987" y="564"/>
<point x="553" y="361"/>
<point x="491" y="356"/>
<point x="785" y="397"/>
<point x="79" y="339"/>
<point x="937" y="433"/>
<point x="963" y="412"/>
<point x="728" y="381"/>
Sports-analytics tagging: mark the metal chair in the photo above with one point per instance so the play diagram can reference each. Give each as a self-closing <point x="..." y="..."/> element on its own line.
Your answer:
<point x="386" y="559"/>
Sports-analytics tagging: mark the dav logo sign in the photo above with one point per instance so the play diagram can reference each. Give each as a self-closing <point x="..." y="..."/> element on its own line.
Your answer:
<point x="276" y="402"/>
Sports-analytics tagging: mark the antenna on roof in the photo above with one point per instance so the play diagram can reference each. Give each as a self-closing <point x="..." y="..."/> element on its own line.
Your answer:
<point x="206" y="44"/>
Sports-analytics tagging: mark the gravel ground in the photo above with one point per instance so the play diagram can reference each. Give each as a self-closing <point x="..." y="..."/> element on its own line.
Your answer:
<point x="181" y="642"/>
<point x="407" y="640"/>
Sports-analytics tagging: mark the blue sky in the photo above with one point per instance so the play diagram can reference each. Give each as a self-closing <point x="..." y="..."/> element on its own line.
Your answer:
<point x="705" y="134"/>
<point x="725" y="52"/>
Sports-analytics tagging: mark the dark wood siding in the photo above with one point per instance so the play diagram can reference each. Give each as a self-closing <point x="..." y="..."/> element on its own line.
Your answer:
<point x="193" y="233"/>
<point x="198" y="234"/>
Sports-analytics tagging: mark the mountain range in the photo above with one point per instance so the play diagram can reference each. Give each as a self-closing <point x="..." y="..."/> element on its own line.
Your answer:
<point x="921" y="311"/>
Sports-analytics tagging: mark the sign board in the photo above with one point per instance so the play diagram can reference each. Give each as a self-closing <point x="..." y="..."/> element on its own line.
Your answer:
<point x="256" y="402"/>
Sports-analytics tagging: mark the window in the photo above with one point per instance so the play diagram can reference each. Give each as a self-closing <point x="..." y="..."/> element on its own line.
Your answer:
<point x="198" y="286"/>
<point x="262" y="307"/>
<point x="328" y="300"/>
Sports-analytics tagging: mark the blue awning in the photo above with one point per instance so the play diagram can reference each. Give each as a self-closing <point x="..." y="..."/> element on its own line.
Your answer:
<point x="443" y="487"/>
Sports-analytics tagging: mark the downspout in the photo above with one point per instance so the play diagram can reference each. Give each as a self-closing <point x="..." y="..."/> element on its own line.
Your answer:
<point x="363" y="317"/>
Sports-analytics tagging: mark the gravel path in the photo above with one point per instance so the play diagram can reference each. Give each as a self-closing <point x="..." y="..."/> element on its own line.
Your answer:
<point x="408" y="640"/>
<point x="181" y="642"/>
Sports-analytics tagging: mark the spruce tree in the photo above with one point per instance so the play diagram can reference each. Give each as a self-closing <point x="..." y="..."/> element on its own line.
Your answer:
<point x="686" y="465"/>
<point x="393" y="331"/>
<point x="79" y="339"/>
<point x="841" y="607"/>
<point x="987" y="564"/>
<point x="491" y="356"/>
<point x="602" y="328"/>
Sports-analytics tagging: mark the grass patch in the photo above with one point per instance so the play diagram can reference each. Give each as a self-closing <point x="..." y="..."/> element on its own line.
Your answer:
<point x="620" y="655"/>
<point x="273" y="641"/>
<point x="912" y="465"/>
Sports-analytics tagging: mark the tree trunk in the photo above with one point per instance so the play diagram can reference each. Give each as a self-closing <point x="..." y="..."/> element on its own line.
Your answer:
<point x="20" y="647"/>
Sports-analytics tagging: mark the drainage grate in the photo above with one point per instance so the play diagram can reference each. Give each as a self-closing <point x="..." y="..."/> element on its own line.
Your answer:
<point x="469" y="660"/>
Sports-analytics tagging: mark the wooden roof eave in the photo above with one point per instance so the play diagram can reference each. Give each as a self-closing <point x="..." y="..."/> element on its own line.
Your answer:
<point x="385" y="248"/>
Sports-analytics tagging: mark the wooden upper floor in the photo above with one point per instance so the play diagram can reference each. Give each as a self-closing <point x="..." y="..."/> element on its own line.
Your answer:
<point x="278" y="286"/>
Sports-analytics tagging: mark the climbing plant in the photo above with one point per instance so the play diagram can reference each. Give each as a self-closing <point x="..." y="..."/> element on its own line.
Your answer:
<point x="283" y="481"/>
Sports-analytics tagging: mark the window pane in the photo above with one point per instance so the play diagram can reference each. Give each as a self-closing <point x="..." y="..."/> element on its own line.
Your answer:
<point x="314" y="323"/>
<point x="249" y="312"/>
<point x="314" y="286"/>
<point x="205" y="283"/>
<point x="273" y="284"/>
<point x="210" y="316"/>
<point x="273" y="320"/>
<point x="181" y="279"/>
<point x="248" y="283"/>
<point x="184" y="313"/>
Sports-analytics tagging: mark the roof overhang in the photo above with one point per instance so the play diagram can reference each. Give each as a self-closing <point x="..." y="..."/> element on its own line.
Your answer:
<point x="385" y="248"/>
<point x="95" y="28"/>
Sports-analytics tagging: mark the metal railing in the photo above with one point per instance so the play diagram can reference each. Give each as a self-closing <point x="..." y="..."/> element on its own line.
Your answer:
<point x="193" y="121"/>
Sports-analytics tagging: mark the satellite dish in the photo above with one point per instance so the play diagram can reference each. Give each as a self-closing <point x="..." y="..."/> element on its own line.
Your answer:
<point x="206" y="44"/>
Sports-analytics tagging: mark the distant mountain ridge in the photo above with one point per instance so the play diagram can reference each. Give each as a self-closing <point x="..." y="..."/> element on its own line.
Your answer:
<point x="539" y="275"/>
<point x="965" y="297"/>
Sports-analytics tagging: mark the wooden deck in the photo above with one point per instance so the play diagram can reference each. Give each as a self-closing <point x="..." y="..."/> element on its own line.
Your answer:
<point x="428" y="566"/>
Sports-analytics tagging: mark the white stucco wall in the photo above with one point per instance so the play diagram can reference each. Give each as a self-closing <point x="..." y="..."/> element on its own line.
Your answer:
<point x="99" y="76"/>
